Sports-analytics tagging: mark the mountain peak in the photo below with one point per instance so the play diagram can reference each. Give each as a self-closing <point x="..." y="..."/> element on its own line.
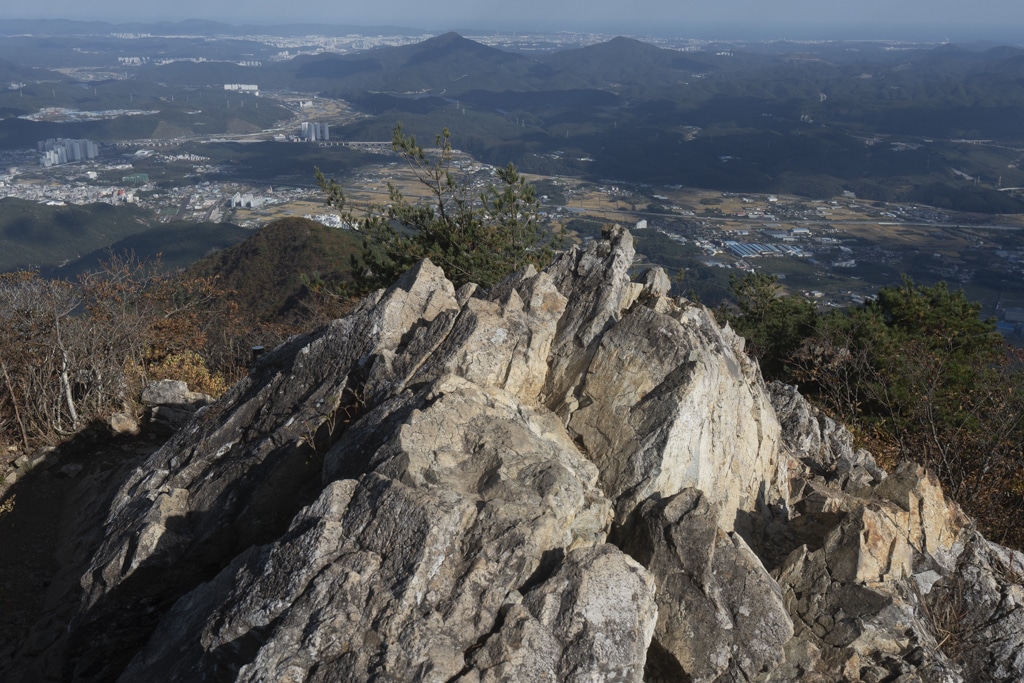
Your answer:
<point x="453" y="43"/>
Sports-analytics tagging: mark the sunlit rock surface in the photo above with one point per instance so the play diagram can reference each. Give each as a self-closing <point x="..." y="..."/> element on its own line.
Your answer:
<point x="572" y="477"/>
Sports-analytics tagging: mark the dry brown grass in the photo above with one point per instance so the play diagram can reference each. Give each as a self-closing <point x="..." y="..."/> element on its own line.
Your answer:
<point x="945" y="611"/>
<point x="7" y="506"/>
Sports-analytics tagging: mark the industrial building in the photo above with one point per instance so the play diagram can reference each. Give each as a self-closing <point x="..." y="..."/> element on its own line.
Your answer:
<point x="246" y="201"/>
<point x="744" y="250"/>
<point x="311" y="130"/>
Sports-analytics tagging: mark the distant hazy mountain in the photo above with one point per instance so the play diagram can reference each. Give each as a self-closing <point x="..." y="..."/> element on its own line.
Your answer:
<point x="450" y="64"/>
<point x="446" y="64"/>
<point x="624" y="62"/>
<point x="190" y="27"/>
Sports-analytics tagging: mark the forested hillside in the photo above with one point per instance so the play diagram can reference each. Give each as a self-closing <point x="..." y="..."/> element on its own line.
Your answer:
<point x="918" y="376"/>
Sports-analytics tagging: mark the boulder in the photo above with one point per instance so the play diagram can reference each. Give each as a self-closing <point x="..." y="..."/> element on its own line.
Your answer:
<point x="124" y="424"/>
<point x="170" y="392"/>
<point x="170" y="404"/>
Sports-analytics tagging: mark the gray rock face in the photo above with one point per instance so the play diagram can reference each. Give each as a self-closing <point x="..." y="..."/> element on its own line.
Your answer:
<point x="823" y="447"/>
<point x="412" y="565"/>
<point x="656" y="393"/>
<point x="667" y="404"/>
<point x="590" y="622"/>
<point x="979" y="608"/>
<point x="572" y="477"/>
<point x="720" y="614"/>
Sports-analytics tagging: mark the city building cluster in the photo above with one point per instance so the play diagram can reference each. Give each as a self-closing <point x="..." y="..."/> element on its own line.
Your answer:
<point x="64" y="151"/>
<point x="299" y="45"/>
<point x="136" y="179"/>
<point x="311" y="130"/>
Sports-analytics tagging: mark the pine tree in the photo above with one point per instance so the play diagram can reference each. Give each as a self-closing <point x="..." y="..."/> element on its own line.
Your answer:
<point x="477" y="238"/>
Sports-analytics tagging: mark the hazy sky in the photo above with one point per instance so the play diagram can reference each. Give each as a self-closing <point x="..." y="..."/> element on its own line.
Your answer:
<point x="780" y="18"/>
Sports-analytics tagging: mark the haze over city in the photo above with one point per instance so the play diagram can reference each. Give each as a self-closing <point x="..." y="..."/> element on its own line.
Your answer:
<point x="995" y="20"/>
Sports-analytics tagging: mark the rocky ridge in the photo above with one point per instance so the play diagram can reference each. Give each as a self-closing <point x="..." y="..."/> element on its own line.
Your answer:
<point x="572" y="477"/>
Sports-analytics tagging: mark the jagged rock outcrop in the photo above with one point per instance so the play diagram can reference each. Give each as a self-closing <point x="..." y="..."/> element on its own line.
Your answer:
<point x="720" y="614"/>
<point x="876" y="587"/>
<point x="823" y="448"/>
<point x="572" y="477"/>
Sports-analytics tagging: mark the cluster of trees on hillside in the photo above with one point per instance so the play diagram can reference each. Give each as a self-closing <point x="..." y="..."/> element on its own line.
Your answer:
<point x="916" y="373"/>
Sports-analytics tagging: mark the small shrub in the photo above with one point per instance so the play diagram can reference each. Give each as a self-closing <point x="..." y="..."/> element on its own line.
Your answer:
<point x="189" y="367"/>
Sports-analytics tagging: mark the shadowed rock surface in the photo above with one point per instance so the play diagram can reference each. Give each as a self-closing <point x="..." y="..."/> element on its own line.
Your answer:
<point x="572" y="477"/>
